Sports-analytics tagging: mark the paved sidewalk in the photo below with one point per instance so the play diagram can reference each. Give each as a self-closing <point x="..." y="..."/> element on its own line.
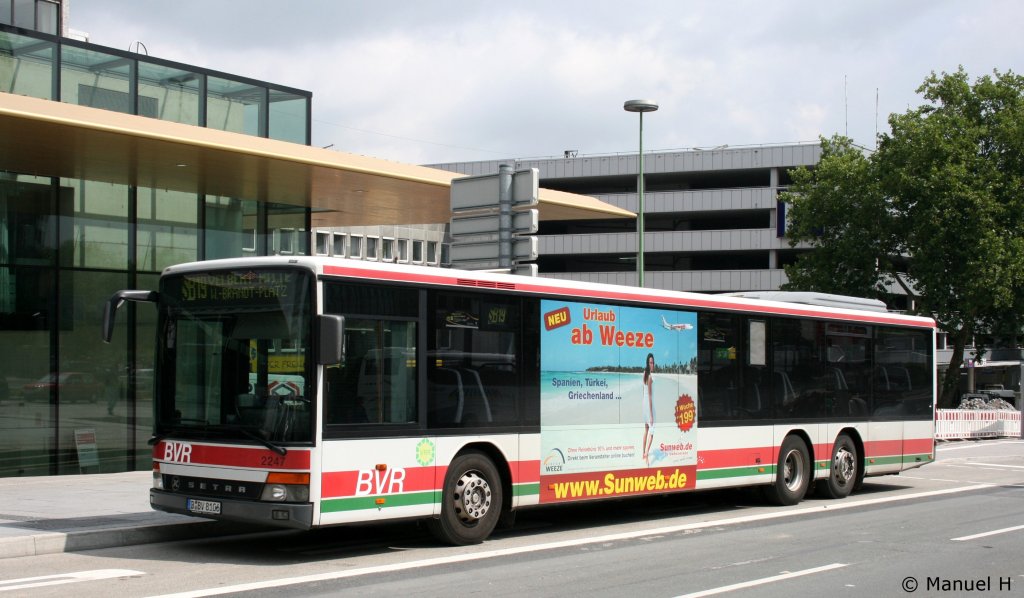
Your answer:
<point x="44" y="515"/>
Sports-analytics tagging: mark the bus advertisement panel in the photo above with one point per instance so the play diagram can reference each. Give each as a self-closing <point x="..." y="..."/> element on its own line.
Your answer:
<point x="618" y="401"/>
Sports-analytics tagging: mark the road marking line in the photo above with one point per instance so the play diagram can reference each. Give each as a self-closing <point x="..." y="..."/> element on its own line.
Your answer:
<point x="503" y="552"/>
<point x="996" y="465"/>
<point x="984" y="534"/>
<point x="24" y="583"/>
<point x="764" y="580"/>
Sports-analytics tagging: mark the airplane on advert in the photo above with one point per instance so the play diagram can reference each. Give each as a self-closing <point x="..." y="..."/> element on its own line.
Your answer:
<point x="667" y="326"/>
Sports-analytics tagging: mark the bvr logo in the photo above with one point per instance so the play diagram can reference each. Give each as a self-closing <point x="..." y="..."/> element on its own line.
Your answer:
<point x="371" y="481"/>
<point x="178" y="451"/>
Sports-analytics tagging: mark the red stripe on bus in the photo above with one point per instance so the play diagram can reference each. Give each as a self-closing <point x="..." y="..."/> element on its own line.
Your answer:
<point x="413" y="479"/>
<point x="190" y="453"/>
<point x="528" y="287"/>
<point x="882" y="448"/>
<point x="747" y="457"/>
<point x="916" y="446"/>
<point x="744" y="457"/>
<point x="525" y="472"/>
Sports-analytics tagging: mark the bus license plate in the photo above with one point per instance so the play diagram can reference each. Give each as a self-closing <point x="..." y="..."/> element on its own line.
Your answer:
<point x="206" y="507"/>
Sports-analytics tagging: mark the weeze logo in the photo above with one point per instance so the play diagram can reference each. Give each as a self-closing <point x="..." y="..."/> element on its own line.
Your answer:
<point x="372" y="482"/>
<point x="554" y="461"/>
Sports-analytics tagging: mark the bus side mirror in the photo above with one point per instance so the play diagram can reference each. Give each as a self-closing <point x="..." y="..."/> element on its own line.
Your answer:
<point x="332" y="339"/>
<point x="116" y="301"/>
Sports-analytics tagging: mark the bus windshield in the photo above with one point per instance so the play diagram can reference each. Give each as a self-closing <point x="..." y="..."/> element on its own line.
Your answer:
<point x="232" y="356"/>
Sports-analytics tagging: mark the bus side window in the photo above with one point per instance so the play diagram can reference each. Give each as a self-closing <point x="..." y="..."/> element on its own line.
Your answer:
<point x="377" y="383"/>
<point x="473" y="375"/>
<point x="718" y="370"/>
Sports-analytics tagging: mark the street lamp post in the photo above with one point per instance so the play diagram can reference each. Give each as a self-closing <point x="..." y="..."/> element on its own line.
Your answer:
<point x="640" y="106"/>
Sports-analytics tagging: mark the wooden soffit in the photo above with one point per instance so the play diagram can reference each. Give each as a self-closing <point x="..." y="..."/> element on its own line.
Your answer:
<point x="54" y="139"/>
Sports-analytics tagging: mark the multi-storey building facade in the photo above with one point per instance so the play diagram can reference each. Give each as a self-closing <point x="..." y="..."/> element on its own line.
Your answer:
<point x="713" y="222"/>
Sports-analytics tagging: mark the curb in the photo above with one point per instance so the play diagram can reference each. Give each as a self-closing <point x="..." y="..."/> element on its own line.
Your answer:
<point x="59" y="542"/>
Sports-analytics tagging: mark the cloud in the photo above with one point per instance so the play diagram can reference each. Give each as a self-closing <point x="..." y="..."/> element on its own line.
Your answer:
<point x="466" y="80"/>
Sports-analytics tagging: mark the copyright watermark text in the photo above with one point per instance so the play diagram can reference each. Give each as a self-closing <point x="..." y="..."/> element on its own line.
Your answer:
<point x="967" y="585"/>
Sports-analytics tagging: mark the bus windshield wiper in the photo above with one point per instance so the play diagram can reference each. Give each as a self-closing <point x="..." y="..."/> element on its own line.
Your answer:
<point x="280" y="450"/>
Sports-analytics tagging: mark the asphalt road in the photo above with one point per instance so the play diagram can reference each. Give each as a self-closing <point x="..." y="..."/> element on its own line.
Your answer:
<point x="952" y="528"/>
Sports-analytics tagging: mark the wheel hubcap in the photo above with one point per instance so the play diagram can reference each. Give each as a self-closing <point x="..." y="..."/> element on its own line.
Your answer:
<point x="472" y="497"/>
<point x="843" y="465"/>
<point x="793" y="473"/>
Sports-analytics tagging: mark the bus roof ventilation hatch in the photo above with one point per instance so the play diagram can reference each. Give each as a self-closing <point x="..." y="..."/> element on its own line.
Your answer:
<point x="466" y="282"/>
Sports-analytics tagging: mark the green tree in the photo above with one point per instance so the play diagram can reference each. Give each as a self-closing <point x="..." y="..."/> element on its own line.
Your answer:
<point x="945" y="190"/>
<point x="839" y="209"/>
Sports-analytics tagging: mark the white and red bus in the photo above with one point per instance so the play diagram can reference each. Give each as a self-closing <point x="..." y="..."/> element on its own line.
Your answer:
<point x="460" y="397"/>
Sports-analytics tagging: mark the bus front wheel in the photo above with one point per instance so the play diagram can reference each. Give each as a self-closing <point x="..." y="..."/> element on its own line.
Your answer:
<point x="471" y="501"/>
<point x="792" y="473"/>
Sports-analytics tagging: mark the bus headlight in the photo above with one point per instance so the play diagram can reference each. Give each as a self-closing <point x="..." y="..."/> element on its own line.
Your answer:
<point x="286" y="487"/>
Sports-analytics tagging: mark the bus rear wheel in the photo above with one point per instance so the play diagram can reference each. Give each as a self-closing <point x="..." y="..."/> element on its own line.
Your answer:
<point x="844" y="471"/>
<point x="471" y="501"/>
<point x="792" y="473"/>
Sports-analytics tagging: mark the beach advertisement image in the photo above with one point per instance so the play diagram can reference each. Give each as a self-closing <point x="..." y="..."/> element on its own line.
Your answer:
<point x="618" y="400"/>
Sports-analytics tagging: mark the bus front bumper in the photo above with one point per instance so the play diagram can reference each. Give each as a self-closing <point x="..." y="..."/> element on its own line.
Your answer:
<point x="289" y="515"/>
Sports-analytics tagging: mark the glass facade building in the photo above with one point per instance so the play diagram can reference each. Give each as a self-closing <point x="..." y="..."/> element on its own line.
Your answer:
<point x="68" y="402"/>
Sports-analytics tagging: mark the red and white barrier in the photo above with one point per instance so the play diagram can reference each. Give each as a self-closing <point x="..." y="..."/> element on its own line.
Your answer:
<point x="954" y="424"/>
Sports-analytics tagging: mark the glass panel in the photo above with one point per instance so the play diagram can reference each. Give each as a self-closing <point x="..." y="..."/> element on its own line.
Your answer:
<point x="230" y="227"/>
<point x="848" y="373"/>
<point x="387" y="250"/>
<point x="431" y="252"/>
<point x="339" y="245"/>
<point x="25" y="14"/>
<point x="285" y="241"/>
<point x="167" y="229"/>
<point x="403" y="250"/>
<point x="355" y="246"/>
<point x="6" y="16"/>
<point x="797" y="376"/>
<point x="96" y="216"/>
<point x="288" y="117"/>
<point x="28" y="228"/>
<point x="27" y="418"/>
<point x="323" y="243"/>
<point x="26" y="65"/>
<point x="289" y="224"/>
<point x="93" y="429"/>
<point x="232" y="360"/>
<point x="169" y="93"/>
<point x="718" y="366"/>
<point x="46" y="17"/>
<point x="96" y="79"/>
<point x="143" y="374"/>
<point x="820" y="369"/>
<point x="903" y="374"/>
<point x="377" y="382"/>
<point x="371" y="248"/>
<point x="364" y="300"/>
<point x="472" y="373"/>
<point x="417" y="251"/>
<point x="234" y="106"/>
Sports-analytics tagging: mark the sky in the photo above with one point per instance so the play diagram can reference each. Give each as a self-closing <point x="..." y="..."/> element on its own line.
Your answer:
<point x="426" y="82"/>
